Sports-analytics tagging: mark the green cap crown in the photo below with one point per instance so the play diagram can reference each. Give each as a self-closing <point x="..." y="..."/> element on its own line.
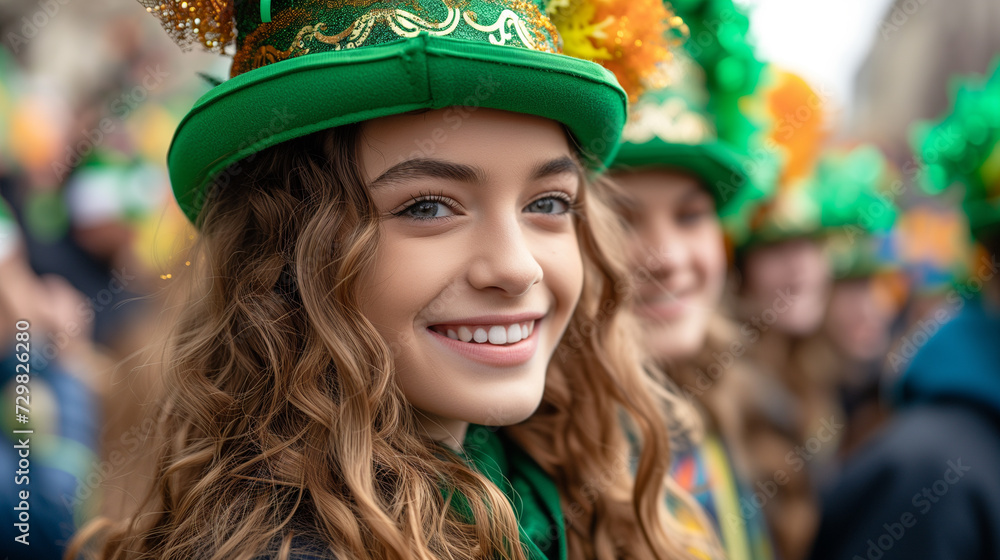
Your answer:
<point x="307" y="65"/>
<point x="964" y="147"/>
<point x="856" y="189"/>
<point x="695" y="123"/>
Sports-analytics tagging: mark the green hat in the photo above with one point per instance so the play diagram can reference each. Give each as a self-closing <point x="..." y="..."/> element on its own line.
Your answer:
<point x="719" y="42"/>
<point x="113" y="186"/>
<point x="795" y="131"/>
<point x="308" y="65"/>
<point x="856" y="189"/>
<point x="964" y="147"/>
<point x="695" y="122"/>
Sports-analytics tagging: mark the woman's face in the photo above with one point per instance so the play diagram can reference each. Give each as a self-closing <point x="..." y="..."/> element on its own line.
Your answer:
<point x="860" y="318"/>
<point x="478" y="269"/>
<point x="788" y="285"/>
<point x="678" y="259"/>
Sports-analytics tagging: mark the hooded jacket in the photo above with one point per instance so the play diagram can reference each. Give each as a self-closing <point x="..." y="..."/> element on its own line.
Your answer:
<point x="928" y="486"/>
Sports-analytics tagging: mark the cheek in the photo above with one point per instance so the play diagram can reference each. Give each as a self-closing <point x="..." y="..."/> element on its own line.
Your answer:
<point x="407" y="274"/>
<point x="562" y="269"/>
<point x="709" y="254"/>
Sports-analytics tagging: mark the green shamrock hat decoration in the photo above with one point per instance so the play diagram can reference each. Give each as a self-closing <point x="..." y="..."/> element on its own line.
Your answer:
<point x="795" y="130"/>
<point x="964" y="148"/>
<point x="695" y="123"/>
<point x="856" y="190"/>
<point x="301" y="66"/>
<point x="719" y="42"/>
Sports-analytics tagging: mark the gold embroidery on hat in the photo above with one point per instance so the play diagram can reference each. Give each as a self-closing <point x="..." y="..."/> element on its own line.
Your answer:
<point x="507" y="19"/>
<point x="332" y="39"/>
<point x="530" y="29"/>
<point x="672" y="121"/>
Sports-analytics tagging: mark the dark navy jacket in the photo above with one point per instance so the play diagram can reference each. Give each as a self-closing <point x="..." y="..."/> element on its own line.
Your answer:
<point x="928" y="486"/>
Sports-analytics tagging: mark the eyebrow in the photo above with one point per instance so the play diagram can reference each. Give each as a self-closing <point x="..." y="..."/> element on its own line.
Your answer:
<point x="440" y="169"/>
<point x="430" y="168"/>
<point x="696" y="192"/>
<point x="557" y="166"/>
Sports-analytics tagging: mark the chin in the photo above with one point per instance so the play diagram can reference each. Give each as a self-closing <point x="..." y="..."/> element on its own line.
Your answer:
<point x="803" y="323"/>
<point x="467" y="392"/>
<point x="503" y="409"/>
<point x="675" y="341"/>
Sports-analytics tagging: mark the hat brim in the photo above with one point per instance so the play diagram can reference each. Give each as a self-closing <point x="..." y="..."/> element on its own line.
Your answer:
<point x="718" y="166"/>
<point x="302" y="95"/>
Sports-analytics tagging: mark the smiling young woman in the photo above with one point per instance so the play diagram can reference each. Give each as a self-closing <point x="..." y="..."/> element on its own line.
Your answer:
<point x="357" y="312"/>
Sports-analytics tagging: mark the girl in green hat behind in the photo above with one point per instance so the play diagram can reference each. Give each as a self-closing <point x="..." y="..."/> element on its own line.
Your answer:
<point x="397" y="229"/>
<point x="682" y="172"/>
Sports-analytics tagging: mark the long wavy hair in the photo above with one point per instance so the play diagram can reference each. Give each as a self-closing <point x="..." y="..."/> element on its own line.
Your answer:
<point x="283" y="429"/>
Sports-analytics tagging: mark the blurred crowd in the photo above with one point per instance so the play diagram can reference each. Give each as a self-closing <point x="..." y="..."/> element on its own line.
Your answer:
<point x="851" y="367"/>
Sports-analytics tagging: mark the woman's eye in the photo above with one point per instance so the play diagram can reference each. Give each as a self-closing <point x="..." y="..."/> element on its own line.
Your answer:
<point x="427" y="209"/>
<point x="694" y="215"/>
<point x="549" y="205"/>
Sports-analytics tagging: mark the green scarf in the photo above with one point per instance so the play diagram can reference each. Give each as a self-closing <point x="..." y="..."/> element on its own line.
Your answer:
<point x="531" y="491"/>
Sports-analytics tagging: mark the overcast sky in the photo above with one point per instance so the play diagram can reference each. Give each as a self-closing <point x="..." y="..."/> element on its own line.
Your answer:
<point x="824" y="41"/>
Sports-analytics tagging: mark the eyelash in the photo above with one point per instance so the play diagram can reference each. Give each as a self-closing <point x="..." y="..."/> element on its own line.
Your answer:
<point x="424" y="197"/>
<point x="571" y="203"/>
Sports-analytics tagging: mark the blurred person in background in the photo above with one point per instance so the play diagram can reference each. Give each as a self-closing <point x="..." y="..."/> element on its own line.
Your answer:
<point x="926" y="486"/>
<point x="859" y="186"/>
<point x="51" y="470"/>
<point x="680" y="169"/>
<point x="84" y="127"/>
<point x="782" y="284"/>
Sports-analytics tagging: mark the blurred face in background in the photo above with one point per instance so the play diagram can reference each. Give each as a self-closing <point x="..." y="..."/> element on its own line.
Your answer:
<point x="792" y="278"/>
<point x="678" y="258"/>
<point x="859" y="318"/>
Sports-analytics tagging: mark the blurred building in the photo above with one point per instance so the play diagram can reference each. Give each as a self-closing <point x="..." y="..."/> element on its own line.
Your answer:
<point x="920" y="45"/>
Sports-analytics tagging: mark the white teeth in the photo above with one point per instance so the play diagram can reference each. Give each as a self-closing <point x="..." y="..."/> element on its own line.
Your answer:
<point x="514" y="333"/>
<point x="494" y="334"/>
<point x="498" y="335"/>
<point x="480" y="335"/>
<point x="464" y="334"/>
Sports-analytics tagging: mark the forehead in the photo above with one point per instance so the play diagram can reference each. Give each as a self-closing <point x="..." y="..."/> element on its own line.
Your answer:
<point x="665" y="185"/>
<point x="499" y="142"/>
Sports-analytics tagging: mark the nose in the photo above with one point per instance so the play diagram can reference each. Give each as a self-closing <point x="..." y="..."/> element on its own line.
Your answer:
<point x="504" y="260"/>
<point x="663" y="249"/>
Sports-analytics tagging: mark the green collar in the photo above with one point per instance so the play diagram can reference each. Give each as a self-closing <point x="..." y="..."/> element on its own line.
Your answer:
<point x="531" y="491"/>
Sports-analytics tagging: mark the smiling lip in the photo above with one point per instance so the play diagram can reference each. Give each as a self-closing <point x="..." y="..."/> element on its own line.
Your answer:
<point x="507" y="355"/>
<point x="663" y="309"/>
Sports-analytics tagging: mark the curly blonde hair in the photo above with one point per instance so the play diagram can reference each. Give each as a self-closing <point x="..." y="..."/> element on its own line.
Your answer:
<point x="283" y="429"/>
